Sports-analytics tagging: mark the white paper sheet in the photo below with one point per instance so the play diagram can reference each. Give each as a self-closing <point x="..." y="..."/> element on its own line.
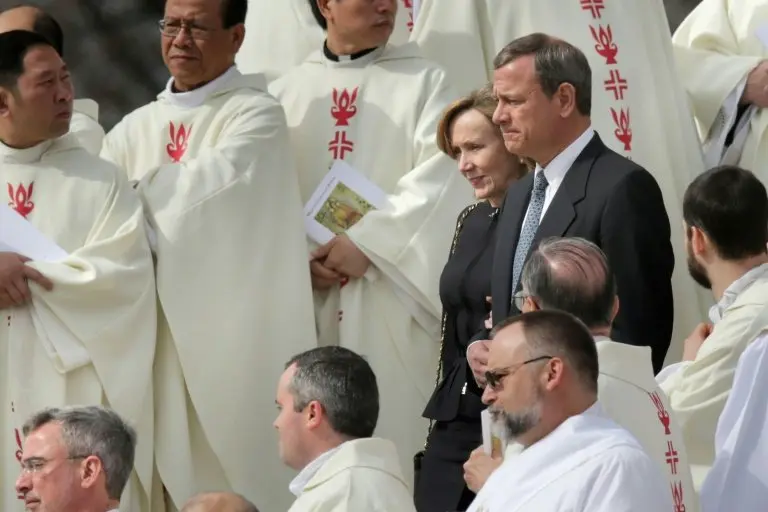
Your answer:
<point x="20" y="236"/>
<point x="340" y="201"/>
<point x="494" y="440"/>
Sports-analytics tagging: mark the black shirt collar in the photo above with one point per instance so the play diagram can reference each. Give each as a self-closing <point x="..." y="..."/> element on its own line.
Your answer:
<point x="335" y="58"/>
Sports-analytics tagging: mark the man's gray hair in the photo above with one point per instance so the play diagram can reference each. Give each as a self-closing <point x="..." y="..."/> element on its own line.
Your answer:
<point x="343" y="383"/>
<point x="94" y="430"/>
<point x="572" y="275"/>
<point x="556" y="62"/>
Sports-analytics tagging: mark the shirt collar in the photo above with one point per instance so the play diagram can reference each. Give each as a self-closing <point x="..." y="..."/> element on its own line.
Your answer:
<point x="734" y="290"/>
<point x="301" y="480"/>
<point x="558" y="167"/>
<point x="339" y="58"/>
<point x="196" y="97"/>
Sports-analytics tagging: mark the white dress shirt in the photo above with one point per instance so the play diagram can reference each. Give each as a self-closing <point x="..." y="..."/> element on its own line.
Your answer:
<point x="557" y="169"/>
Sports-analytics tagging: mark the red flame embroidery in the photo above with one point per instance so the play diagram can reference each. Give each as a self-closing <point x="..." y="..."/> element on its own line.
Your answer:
<point x="344" y="107"/>
<point x="178" y="145"/>
<point x="605" y="46"/>
<point x="21" y="198"/>
<point x="623" y="132"/>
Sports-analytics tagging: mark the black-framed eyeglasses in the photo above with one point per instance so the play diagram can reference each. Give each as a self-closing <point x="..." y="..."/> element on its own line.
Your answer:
<point x="172" y="28"/>
<point x="35" y="464"/>
<point x="494" y="378"/>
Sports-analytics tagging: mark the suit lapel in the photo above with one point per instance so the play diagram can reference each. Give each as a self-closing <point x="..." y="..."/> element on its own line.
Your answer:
<point x="510" y="223"/>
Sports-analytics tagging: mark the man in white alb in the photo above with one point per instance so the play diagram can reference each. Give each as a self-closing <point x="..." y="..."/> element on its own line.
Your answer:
<point x="733" y="264"/>
<point x="78" y="305"/>
<point x="214" y="169"/>
<point x="573" y="275"/>
<point x="85" y="116"/>
<point x="328" y="403"/>
<point x="542" y="384"/>
<point x="738" y="479"/>
<point x="721" y="50"/>
<point x="281" y="35"/>
<point x="376" y="107"/>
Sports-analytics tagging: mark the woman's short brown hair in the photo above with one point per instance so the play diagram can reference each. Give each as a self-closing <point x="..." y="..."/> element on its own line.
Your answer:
<point x="481" y="100"/>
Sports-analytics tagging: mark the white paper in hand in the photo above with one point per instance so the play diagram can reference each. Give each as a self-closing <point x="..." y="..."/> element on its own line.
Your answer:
<point x="494" y="439"/>
<point x="18" y="235"/>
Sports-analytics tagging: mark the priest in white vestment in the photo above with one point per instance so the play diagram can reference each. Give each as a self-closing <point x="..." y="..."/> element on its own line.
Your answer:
<point x="282" y="34"/>
<point x="213" y="165"/>
<point x="721" y="50"/>
<point x="328" y="403"/>
<point x="88" y="335"/>
<point x="376" y="107"/>
<point x="628" y="47"/>
<point x="85" y="117"/>
<point x="573" y="275"/>
<point x="542" y="384"/>
<point x="725" y="211"/>
<point x="739" y="477"/>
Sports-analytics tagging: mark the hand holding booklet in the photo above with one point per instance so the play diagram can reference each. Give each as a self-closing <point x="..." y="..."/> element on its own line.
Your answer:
<point x="343" y="197"/>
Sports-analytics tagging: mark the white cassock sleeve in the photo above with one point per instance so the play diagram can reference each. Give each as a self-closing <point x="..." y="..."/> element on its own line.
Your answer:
<point x="712" y="67"/>
<point x="409" y="240"/>
<point x="85" y="125"/>
<point x="738" y="479"/>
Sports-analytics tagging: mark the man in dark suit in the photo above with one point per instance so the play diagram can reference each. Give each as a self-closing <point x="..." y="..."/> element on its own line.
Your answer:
<point x="580" y="188"/>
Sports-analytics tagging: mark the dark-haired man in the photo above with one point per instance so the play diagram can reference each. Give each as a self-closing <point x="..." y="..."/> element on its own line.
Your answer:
<point x="726" y="232"/>
<point x="542" y="386"/>
<point x="86" y="112"/>
<point x="213" y="165"/>
<point x="78" y="326"/>
<point x="329" y="406"/>
<point x="376" y="106"/>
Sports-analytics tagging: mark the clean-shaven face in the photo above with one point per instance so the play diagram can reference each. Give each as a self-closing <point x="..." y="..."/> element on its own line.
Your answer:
<point x="366" y="23"/>
<point x="289" y="424"/>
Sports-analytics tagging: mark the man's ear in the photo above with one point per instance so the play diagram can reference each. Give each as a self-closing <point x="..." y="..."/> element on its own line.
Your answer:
<point x="5" y="102"/>
<point x="90" y="470"/>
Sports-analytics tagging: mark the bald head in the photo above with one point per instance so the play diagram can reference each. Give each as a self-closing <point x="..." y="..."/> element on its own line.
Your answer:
<point x="219" y="502"/>
<point x="33" y="19"/>
<point x="572" y="275"/>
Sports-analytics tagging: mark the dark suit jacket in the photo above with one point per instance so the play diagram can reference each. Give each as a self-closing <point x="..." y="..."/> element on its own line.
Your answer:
<point x="616" y="204"/>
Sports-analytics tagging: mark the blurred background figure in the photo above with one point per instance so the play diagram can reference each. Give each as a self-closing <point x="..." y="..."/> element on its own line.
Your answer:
<point x="219" y="502"/>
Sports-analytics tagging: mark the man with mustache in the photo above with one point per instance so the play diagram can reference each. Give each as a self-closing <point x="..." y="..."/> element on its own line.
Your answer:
<point x="376" y="107"/>
<point x="542" y="384"/>
<point x="85" y="113"/>
<point x="726" y="231"/>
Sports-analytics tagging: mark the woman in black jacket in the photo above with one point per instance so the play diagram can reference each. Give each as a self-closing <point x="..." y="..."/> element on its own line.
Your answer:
<point x="467" y="134"/>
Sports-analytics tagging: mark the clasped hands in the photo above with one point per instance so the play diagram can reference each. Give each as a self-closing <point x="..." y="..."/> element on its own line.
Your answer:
<point x="14" y="277"/>
<point x="335" y="261"/>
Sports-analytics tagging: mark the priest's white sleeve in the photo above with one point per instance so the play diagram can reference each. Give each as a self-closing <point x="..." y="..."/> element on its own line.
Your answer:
<point x="712" y="67"/>
<point x="409" y="240"/>
<point x="85" y="125"/>
<point x="738" y="479"/>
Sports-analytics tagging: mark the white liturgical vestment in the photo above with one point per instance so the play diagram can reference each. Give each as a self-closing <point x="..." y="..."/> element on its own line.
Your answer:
<point x="359" y="475"/>
<point x="627" y="44"/>
<point x="281" y="34"/>
<point x="379" y="114"/>
<point x="738" y="479"/>
<point x="631" y="397"/>
<point x="85" y="125"/>
<point x="587" y="464"/>
<point x="716" y="47"/>
<point x="91" y="340"/>
<point x="218" y="181"/>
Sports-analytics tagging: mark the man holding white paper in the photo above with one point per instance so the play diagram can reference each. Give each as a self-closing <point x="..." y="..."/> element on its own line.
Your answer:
<point x="376" y="106"/>
<point x="78" y="304"/>
<point x="214" y="169"/>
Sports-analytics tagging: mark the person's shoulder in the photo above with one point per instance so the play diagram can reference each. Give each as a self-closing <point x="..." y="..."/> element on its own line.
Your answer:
<point x="407" y="60"/>
<point x="68" y="156"/>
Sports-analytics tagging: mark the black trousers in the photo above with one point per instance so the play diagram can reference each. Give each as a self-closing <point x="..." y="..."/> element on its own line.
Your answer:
<point x="441" y="486"/>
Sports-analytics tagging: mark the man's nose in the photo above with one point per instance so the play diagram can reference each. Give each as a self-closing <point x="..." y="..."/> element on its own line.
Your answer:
<point x="489" y="397"/>
<point x="23" y="483"/>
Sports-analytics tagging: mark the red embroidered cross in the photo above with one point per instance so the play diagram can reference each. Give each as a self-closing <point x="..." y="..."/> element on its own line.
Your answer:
<point x="662" y="412"/>
<point x="178" y="145"/>
<point x="672" y="457"/>
<point x="341" y="315"/>
<point x="21" y="198"/>
<point x="344" y="107"/>
<point x="616" y="84"/>
<point x="9" y="320"/>
<point x="677" y="497"/>
<point x="340" y="145"/>
<point x="593" y="6"/>
<point x="623" y="130"/>
<point x="605" y="46"/>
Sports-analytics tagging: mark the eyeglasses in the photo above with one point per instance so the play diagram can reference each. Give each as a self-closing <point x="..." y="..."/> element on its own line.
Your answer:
<point x="518" y="299"/>
<point x="172" y="28"/>
<point x="35" y="464"/>
<point x="494" y="378"/>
